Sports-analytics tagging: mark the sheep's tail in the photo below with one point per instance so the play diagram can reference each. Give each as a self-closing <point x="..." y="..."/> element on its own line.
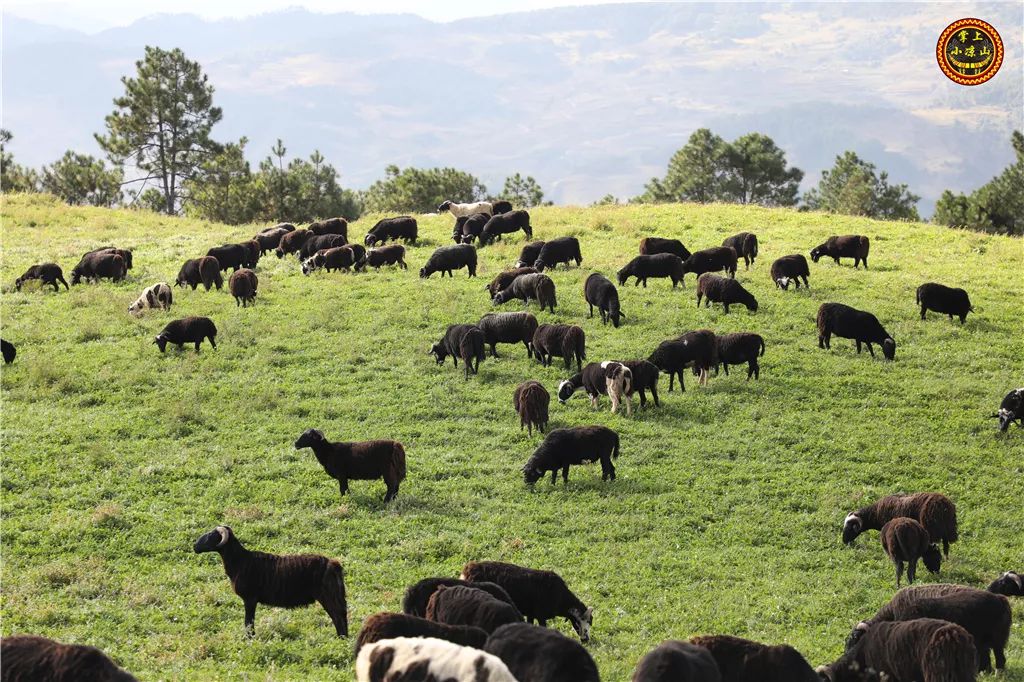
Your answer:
<point x="398" y="456"/>
<point x="919" y="295"/>
<point x="950" y="655"/>
<point x="761" y="353"/>
<point x="332" y="596"/>
<point x="615" y="450"/>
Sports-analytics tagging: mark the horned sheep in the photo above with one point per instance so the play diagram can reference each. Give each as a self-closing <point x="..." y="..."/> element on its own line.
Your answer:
<point x="502" y="280"/>
<point x="1009" y="583"/>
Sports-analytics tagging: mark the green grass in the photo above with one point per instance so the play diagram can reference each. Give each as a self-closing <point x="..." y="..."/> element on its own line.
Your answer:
<point x="725" y="517"/>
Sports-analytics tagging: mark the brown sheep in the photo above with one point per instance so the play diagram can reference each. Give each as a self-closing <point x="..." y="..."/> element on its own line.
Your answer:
<point x="531" y="401"/>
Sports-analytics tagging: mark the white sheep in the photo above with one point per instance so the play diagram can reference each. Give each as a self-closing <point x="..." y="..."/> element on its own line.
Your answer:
<point x="157" y="295"/>
<point x="390" y="658"/>
<point x="459" y="210"/>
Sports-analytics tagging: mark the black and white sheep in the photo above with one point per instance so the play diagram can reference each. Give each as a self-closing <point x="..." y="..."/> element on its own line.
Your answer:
<point x="536" y="286"/>
<point x="9" y="351"/>
<point x="417" y="595"/>
<point x="1011" y="409"/>
<point x="853" y="246"/>
<point x="675" y="661"/>
<point x="566" y="341"/>
<point x="187" y="330"/>
<point x="28" y="658"/>
<point x="392" y="229"/>
<point x="154" y="296"/>
<point x="48" y="273"/>
<point x="745" y="246"/>
<point x="905" y="541"/>
<point x="942" y="299"/>
<point x="99" y="265"/>
<point x="1009" y="583"/>
<point x="330" y="226"/>
<point x="232" y="256"/>
<point x="539" y="595"/>
<point x="599" y="291"/>
<point x="529" y="253"/>
<point x="610" y="378"/>
<point x="788" y="269"/>
<point x="458" y="210"/>
<point x="541" y="655"/>
<point x="469" y="228"/>
<point x="270" y="238"/>
<point x="242" y="284"/>
<point x="506" y="223"/>
<point x="501" y="206"/>
<point x="508" y="328"/>
<point x="714" y="259"/>
<point x="850" y="323"/>
<point x="390" y="625"/>
<point x="530" y="401"/>
<point x="580" y="445"/>
<point x="445" y="259"/>
<point x="697" y="350"/>
<point x="319" y="243"/>
<point x="358" y="461"/>
<point x="291" y="242"/>
<point x="427" y="659"/>
<point x="196" y="271"/>
<point x="735" y="349"/>
<point x="289" y="580"/>
<point x="392" y="254"/>
<point x="560" y="250"/>
<point x="467" y="605"/>
<point x="464" y="341"/>
<point x="652" y="245"/>
<point x="934" y="511"/>
<point x="717" y="289"/>
<point x="742" y="660"/>
<point x="502" y="280"/>
<point x="657" y="266"/>
<point x="334" y="258"/>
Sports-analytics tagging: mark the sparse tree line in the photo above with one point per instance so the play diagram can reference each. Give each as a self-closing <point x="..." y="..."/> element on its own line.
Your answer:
<point x="161" y="157"/>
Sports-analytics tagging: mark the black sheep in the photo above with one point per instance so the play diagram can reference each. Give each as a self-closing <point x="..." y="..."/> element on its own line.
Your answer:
<point x="417" y="595"/>
<point x="9" y="351"/>
<point x="560" y="250"/>
<point x="1011" y="409"/>
<point x="392" y="254"/>
<point x="292" y="242"/>
<point x="935" y="511"/>
<point x="506" y="223"/>
<point x="334" y="258"/>
<point x="850" y="323"/>
<point x="49" y="273"/>
<point x="252" y="253"/>
<point x="645" y="378"/>
<point x="390" y="625"/>
<point x="541" y="655"/>
<point x="187" y="330"/>
<point x="598" y="290"/>
<point x="658" y="265"/>
<point x="698" y="350"/>
<point x="96" y="266"/>
<point x="788" y="269"/>
<point x="270" y="238"/>
<point x="466" y="605"/>
<point x="288" y="581"/>
<point x="905" y="541"/>
<point x="319" y="243"/>
<point x="469" y="228"/>
<point x="358" y="461"/>
<point x="501" y="206"/>
<point x="745" y="245"/>
<point x="741" y="660"/>
<point x="28" y="658"/>
<point x="392" y="229"/>
<point x="566" y="341"/>
<point x="508" y="328"/>
<point x="714" y="259"/>
<point x="945" y="300"/>
<point x="528" y="256"/>
<point x="675" y="661"/>
<point x="502" y="280"/>
<point x="330" y="226"/>
<point x="242" y="285"/>
<point x="714" y="288"/>
<point x="464" y="341"/>
<point x="735" y="349"/>
<point x="536" y="286"/>
<point x="232" y="256"/>
<point x="449" y="258"/>
<point x="853" y="246"/>
<point x="196" y="271"/>
<point x="530" y="401"/>
<point x="580" y="445"/>
<point x="1010" y="583"/>
<point x="539" y="595"/>
<point x="457" y="228"/>
<point x="125" y="254"/>
<point x="652" y="245"/>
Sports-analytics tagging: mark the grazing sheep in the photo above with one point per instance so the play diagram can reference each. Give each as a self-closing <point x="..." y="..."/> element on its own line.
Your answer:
<point x="560" y="250"/>
<point x="645" y="378"/>
<point x="853" y="246"/>
<point x="725" y="291"/>
<point x="658" y="265"/>
<point x="126" y="254"/>
<point x="986" y="616"/>
<point x="359" y="253"/>
<point x="598" y="290"/>
<point x="426" y="659"/>
<point x="464" y="341"/>
<point x="390" y="625"/>
<point x="1011" y="409"/>
<point x="9" y="351"/>
<point x="466" y="605"/>
<point x="906" y="540"/>
<point x="735" y="349"/>
<point x="291" y="242"/>
<point x="392" y="254"/>
<point x="934" y="511"/>
<point x="319" y="243"/>
<point x="528" y="256"/>
<point x="503" y="279"/>
<point x="48" y="273"/>
<point x="417" y="595"/>
<point x="505" y="223"/>
<point x="712" y="260"/>
<point x="457" y="228"/>
<point x="530" y="402"/>
<point x="539" y="595"/>
<point x="252" y="253"/>
<point x="508" y="328"/>
<point x="613" y="379"/>
<point x="790" y="269"/>
<point x="187" y="330"/>
<point x="358" y="461"/>
<point x="922" y="650"/>
<point x="288" y="580"/>
<point x="1010" y="583"/>
<point x="196" y="271"/>
<point x="232" y="256"/>
<point x="652" y="245"/>
<point x="28" y="658"/>
<point x="745" y="245"/>
<point x="458" y="210"/>
<point x="541" y="655"/>
<point x="850" y="671"/>
<point x="335" y="258"/>
<point x="270" y="238"/>
<point x="468" y="228"/>
<point x="698" y="350"/>
<point x="154" y="296"/>
<point x="580" y="445"/>
<point x="330" y="226"/>
<point x="620" y="385"/>
<point x="675" y="661"/>
<point x="850" y="323"/>
<point x="392" y="229"/>
<point x="501" y="206"/>
<point x="741" y="660"/>
<point x="945" y="300"/>
<point x="96" y="266"/>
<point x="536" y="286"/>
<point x="449" y="258"/>
<point x="242" y="286"/>
<point x="566" y="341"/>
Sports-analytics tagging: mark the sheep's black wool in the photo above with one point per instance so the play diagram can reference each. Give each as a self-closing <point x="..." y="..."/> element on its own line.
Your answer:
<point x="853" y="246"/>
<point x="358" y="461"/>
<point x="565" y="447"/>
<point x="850" y="323"/>
<point x="187" y="330"/>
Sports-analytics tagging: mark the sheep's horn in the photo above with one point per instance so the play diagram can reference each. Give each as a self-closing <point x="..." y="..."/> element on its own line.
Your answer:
<point x="224" y="535"/>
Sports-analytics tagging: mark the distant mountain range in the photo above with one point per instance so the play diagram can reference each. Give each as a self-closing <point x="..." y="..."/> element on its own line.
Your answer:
<point x="589" y="100"/>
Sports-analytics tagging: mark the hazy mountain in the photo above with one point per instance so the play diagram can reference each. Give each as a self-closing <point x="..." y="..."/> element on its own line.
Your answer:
<point x="589" y="100"/>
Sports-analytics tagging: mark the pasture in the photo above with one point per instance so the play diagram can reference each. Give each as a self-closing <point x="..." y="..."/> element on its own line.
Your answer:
<point x="725" y="517"/>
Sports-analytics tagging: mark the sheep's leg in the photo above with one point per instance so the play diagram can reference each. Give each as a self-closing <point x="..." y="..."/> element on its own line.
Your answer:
<point x="755" y="367"/>
<point x="726" y="308"/>
<point x="494" y="350"/>
<point x="698" y="299"/>
<point x="682" y="384"/>
<point x="645" y="282"/>
<point x="871" y="349"/>
<point x="250" y="617"/>
<point x="858" y="347"/>
<point x="565" y="474"/>
<point x="805" y="281"/>
<point x="392" y="491"/>
<point x="654" y="394"/>
<point x="607" y="468"/>
<point x="629" y="406"/>
<point x="1000" y="657"/>
<point x="554" y="476"/>
<point x="912" y="571"/>
<point x="343" y="485"/>
<point x="726" y="366"/>
<point x="671" y="378"/>
<point x="945" y="547"/>
<point x="591" y="315"/>
<point x="899" y="571"/>
<point x="922" y="311"/>
<point x="212" y="342"/>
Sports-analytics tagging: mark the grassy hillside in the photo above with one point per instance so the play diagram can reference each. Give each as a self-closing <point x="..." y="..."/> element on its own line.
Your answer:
<point x="725" y="517"/>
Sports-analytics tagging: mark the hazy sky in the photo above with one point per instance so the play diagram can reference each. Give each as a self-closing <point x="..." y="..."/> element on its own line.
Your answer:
<point x="96" y="15"/>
